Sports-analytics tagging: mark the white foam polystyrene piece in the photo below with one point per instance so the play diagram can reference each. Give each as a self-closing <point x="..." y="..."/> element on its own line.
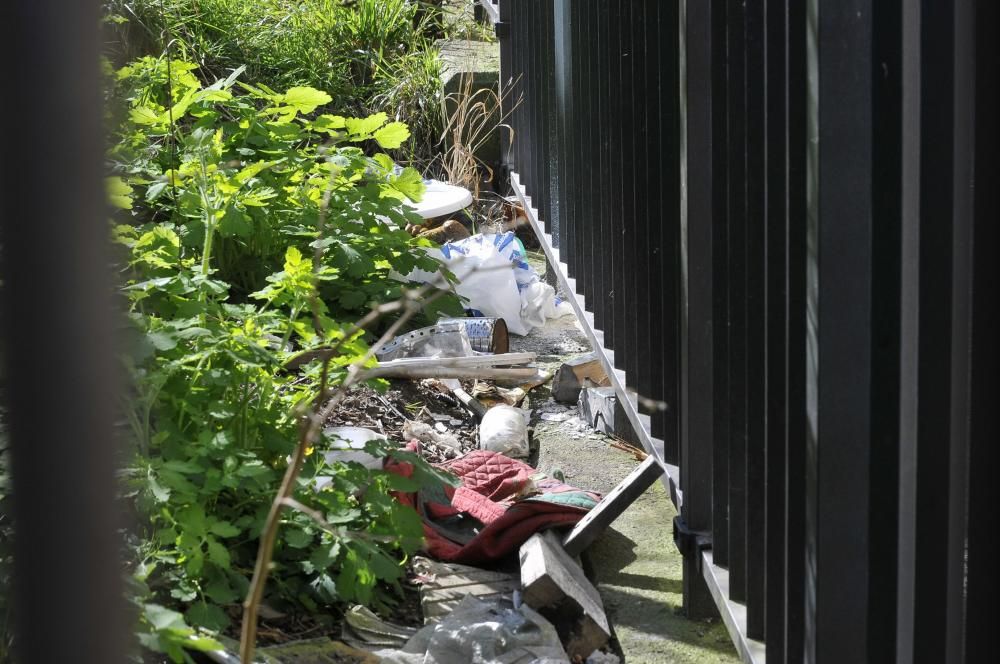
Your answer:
<point x="349" y="445"/>
<point x="441" y="198"/>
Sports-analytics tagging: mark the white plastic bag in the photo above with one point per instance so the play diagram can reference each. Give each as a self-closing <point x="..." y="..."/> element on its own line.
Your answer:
<point x="504" y="430"/>
<point x="497" y="281"/>
<point x="484" y="277"/>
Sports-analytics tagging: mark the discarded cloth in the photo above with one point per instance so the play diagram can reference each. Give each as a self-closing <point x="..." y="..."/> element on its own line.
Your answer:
<point x="508" y="500"/>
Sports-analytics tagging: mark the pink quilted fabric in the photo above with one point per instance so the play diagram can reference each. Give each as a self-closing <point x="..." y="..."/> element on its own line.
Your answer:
<point x="491" y="491"/>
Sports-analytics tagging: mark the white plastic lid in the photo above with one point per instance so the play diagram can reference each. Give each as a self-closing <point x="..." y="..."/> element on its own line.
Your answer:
<point x="440" y="199"/>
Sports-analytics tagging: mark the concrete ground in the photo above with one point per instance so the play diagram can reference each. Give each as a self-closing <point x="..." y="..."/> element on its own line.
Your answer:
<point x="634" y="564"/>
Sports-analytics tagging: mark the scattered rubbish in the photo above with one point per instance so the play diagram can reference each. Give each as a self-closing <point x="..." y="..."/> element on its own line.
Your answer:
<point x="597" y="408"/>
<point x="513" y="215"/>
<point x="267" y="612"/>
<point x="317" y="650"/>
<point x="363" y="629"/>
<point x="425" y="433"/>
<point x="504" y="430"/>
<point x="487" y="335"/>
<point x="444" y="339"/>
<point x="490" y="395"/>
<point x="568" y="419"/>
<point x="478" y="632"/>
<point x="348" y="445"/>
<point x="497" y="281"/>
<point x="444" y="585"/>
<point x="601" y="657"/>
<point x="555" y="585"/>
<point x="540" y="377"/>
<point x="505" y="366"/>
<point x="440" y="199"/>
<point x="491" y="484"/>
<point x="440" y="230"/>
<point x="576" y="374"/>
<point x="470" y="403"/>
<point x="296" y="652"/>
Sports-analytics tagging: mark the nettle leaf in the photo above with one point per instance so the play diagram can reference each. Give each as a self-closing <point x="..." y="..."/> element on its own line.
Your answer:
<point x="217" y="553"/>
<point x="305" y="99"/>
<point x="155" y="190"/>
<point x="119" y="193"/>
<point x="352" y="299"/>
<point x="356" y="263"/>
<point x="328" y="124"/>
<point x="360" y="128"/>
<point x="144" y="115"/>
<point x="161" y="340"/>
<point x="253" y="170"/>
<point x="192" y="520"/>
<point x="220" y="592"/>
<point x="323" y="556"/>
<point x="409" y="183"/>
<point x="235" y="223"/>
<point x="224" y="529"/>
<point x="160" y="617"/>
<point x="393" y="135"/>
<point x="384" y="567"/>
<point x="298" y="539"/>
<point x="293" y="259"/>
<point x="208" y="616"/>
<point x="385" y="162"/>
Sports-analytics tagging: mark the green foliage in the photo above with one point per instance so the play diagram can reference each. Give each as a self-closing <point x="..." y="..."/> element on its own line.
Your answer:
<point x="161" y="629"/>
<point x="362" y="52"/>
<point x="239" y="172"/>
<point x="249" y="225"/>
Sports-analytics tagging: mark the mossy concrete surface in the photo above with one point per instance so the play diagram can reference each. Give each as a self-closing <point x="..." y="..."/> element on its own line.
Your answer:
<point x="635" y="565"/>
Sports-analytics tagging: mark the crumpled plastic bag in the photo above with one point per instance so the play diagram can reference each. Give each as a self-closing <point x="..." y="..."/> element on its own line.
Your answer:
<point x="425" y="433"/>
<point x="504" y="430"/>
<point x="478" y="633"/>
<point x="497" y="281"/>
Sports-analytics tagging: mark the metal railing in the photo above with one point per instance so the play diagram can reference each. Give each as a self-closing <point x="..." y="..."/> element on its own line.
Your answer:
<point x="778" y="219"/>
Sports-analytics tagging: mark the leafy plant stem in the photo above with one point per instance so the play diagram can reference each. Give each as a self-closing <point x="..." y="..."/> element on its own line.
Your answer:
<point x="309" y="428"/>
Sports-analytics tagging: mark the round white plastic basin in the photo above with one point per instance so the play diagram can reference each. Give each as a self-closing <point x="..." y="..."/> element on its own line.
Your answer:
<point x="440" y="199"/>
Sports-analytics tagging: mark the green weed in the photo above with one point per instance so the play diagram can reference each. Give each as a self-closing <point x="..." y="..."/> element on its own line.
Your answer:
<point x="369" y="55"/>
<point x="236" y="202"/>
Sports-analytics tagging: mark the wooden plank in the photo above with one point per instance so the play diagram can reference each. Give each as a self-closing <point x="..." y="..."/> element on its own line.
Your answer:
<point x="444" y="585"/>
<point x="612" y="505"/>
<point x="555" y="585"/>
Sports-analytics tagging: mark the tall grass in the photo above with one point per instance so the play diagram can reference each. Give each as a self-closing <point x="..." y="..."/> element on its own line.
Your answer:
<point x="369" y="55"/>
<point x="471" y="117"/>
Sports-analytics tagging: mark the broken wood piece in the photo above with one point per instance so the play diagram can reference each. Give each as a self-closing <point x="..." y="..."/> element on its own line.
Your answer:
<point x="503" y="359"/>
<point x="612" y="505"/>
<point x="555" y="585"/>
<point x="471" y="373"/>
<point x="444" y="585"/>
<point x="597" y="408"/>
<point x="471" y="404"/>
<point x="576" y="374"/>
<point x="638" y="454"/>
<point x="308" y="356"/>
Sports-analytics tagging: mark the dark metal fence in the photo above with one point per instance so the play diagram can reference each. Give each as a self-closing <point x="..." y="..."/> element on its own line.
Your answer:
<point x="779" y="219"/>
